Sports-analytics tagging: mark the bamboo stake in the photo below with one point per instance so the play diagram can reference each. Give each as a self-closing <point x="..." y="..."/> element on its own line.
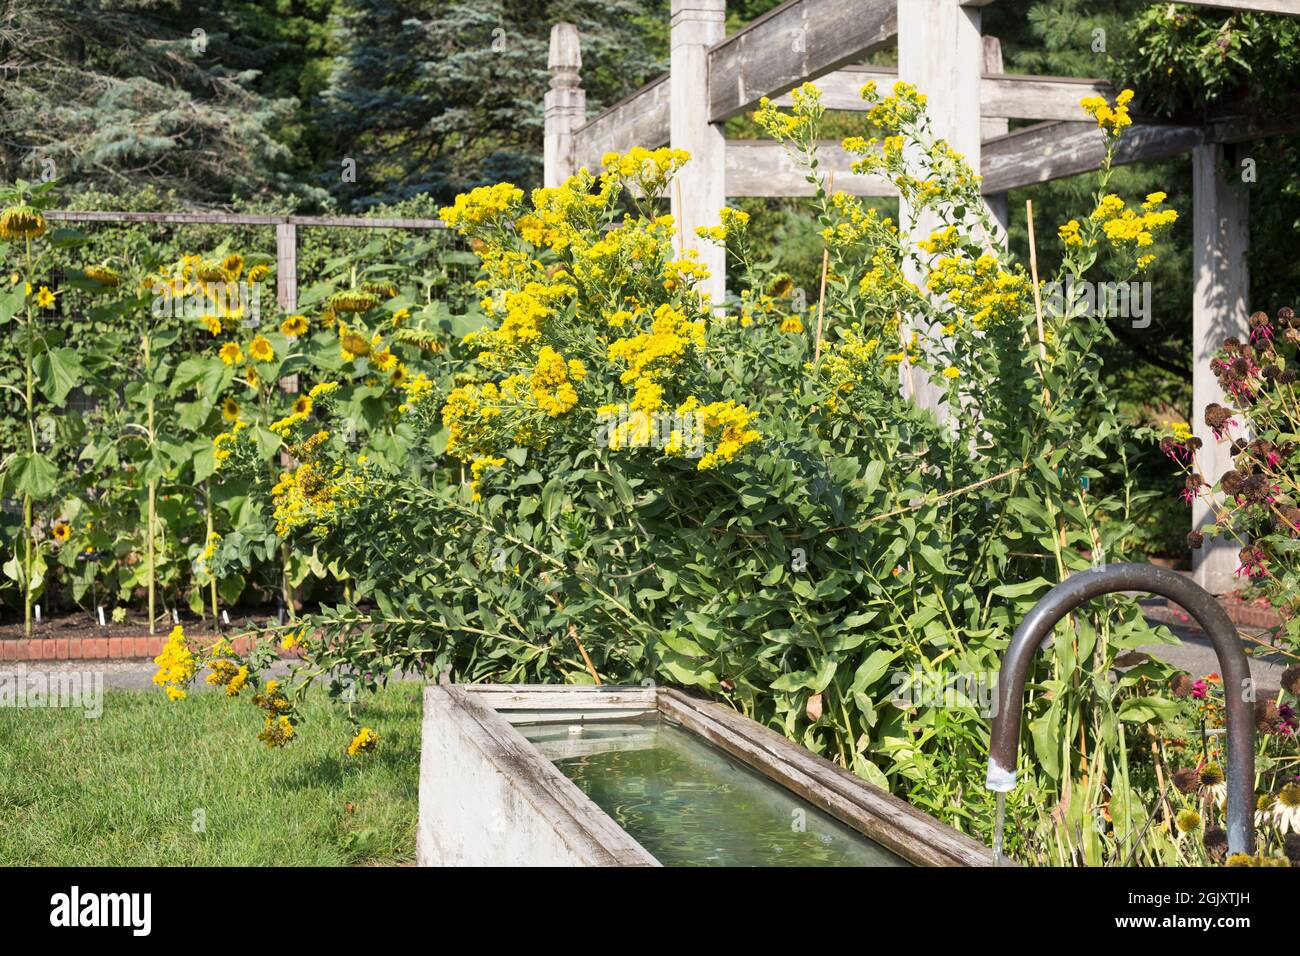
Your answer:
<point x="153" y="499"/>
<point x="821" y="296"/>
<point x="591" y="669"/>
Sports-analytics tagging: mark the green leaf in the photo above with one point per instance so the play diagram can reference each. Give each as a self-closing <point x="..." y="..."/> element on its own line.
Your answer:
<point x="33" y="474"/>
<point x="58" y="372"/>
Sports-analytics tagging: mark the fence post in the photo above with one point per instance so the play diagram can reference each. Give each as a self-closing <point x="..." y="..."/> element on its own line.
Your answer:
<point x="940" y="51"/>
<point x="700" y="191"/>
<point x="1220" y="238"/>
<point x="286" y="266"/>
<point x="566" y="104"/>
<point x="995" y="126"/>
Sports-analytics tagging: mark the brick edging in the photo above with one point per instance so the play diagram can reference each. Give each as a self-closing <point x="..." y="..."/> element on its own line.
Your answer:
<point x="98" y="648"/>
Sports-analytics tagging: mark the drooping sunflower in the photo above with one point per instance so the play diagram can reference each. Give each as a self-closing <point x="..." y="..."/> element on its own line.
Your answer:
<point x="353" y="300"/>
<point x="21" y="222"/>
<point x="354" y="344"/>
<point x="103" y="275"/>
<point x="259" y="272"/>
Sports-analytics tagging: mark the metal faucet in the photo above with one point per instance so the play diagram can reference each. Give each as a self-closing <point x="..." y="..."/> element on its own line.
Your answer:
<point x="1201" y="605"/>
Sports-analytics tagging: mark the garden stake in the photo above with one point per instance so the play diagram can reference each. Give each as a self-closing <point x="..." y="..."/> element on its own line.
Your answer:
<point x="821" y="296"/>
<point x="1004" y="744"/>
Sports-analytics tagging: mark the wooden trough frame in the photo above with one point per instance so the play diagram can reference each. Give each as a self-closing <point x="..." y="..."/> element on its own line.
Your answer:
<point x="489" y="797"/>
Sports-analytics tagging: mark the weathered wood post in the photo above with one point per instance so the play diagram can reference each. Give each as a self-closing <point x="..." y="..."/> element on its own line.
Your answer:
<point x="566" y="104"/>
<point x="701" y="188"/>
<point x="991" y="127"/>
<point x="286" y="266"/>
<point x="1220" y="238"/>
<point x="940" y="50"/>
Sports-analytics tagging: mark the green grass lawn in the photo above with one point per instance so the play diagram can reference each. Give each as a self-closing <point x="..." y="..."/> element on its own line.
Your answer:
<point x="126" y="788"/>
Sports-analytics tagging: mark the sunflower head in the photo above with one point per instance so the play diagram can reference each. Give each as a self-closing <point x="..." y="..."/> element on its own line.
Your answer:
<point x="103" y="275"/>
<point x="294" y="325"/>
<point x="355" y="344"/>
<point x="353" y="300"/>
<point x="382" y="289"/>
<point x="232" y="266"/>
<point x="230" y="410"/>
<point x="62" y="531"/>
<point x="302" y="405"/>
<point x="211" y="270"/>
<point x="21" y="222"/>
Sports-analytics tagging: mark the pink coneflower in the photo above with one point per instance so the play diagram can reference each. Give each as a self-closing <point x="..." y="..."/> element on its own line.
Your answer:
<point x="1200" y="689"/>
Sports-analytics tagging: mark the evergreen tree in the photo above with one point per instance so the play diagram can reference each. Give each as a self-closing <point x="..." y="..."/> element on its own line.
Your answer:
<point x="441" y="95"/>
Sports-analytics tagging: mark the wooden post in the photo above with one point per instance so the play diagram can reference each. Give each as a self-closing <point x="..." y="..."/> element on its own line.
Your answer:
<point x="286" y="266"/>
<point x="1220" y="238"/>
<point x="940" y="51"/>
<point x="696" y="26"/>
<point x="997" y="202"/>
<point x="566" y="104"/>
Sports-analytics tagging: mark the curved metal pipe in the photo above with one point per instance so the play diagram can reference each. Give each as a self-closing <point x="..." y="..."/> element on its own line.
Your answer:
<point x="1086" y="585"/>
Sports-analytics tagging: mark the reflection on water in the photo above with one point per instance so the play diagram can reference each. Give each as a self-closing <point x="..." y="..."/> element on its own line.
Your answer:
<point x="690" y="804"/>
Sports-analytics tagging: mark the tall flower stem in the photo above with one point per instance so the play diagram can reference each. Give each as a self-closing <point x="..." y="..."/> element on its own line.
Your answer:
<point x="31" y="431"/>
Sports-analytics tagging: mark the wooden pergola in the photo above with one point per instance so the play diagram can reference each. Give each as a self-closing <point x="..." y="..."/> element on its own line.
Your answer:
<point x="941" y="50"/>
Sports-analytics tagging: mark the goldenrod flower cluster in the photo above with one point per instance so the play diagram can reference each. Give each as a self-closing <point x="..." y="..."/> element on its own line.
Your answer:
<point x="980" y="287"/>
<point x="176" y="665"/>
<point x="364" y="742"/>
<point x="1112" y="119"/>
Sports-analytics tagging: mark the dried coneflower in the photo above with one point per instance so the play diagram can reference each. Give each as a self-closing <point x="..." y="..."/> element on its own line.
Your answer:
<point x="1218" y="418"/>
<point x="1195" y="539"/>
<point x="1267" y="718"/>
<point x="1186" y="780"/>
<point x="1216" y="843"/>
<point x="1181" y="685"/>
<point x="1291" y="848"/>
<point x="1291" y="679"/>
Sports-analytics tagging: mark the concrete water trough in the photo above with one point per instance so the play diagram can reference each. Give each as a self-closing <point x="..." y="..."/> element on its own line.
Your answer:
<point x="533" y="775"/>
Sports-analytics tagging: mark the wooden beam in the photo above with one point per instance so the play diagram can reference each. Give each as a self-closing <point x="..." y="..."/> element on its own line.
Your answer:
<point x="791" y="43"/>
<point x="991" y="127"/>
<point x="760" y="167"/>
<point x="1220" y="239"/>
<point x="1055" y="150"/>
<point x="638" y="120"/>
<point x="239" y="219"/>
<point x="1287" y="7"/>
<point x="1049" y="151"/>
<point x="1002" y="96"/>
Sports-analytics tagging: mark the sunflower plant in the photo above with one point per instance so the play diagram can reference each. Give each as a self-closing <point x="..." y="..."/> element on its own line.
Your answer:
<point x="48" y="371"/>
